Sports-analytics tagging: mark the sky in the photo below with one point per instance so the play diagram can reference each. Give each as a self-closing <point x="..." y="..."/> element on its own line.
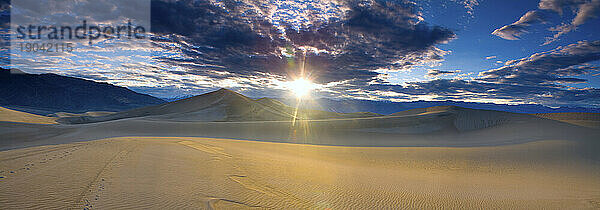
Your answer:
<point x="511" y="52"/>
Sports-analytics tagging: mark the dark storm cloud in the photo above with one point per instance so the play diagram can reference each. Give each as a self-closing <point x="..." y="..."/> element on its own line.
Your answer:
<point x="372" y="35"/>
<point x="210" y="35"/>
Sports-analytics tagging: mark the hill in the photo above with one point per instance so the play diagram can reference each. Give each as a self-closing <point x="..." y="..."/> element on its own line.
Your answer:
<point x="464" y="119"/>
<point x="49" y="93"/>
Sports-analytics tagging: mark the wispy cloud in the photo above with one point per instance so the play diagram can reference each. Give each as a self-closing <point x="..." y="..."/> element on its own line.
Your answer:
<point x="584" y="11"/>
<point x="436" y="72"/>
<point x="516" y="29"/>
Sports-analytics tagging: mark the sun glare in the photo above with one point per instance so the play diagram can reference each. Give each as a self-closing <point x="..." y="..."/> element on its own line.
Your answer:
<point x="300" y="87"/>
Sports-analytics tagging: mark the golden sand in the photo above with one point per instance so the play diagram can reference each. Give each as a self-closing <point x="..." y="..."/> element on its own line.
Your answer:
<point x="9" y="115"/>
<point x="192" y="173"/>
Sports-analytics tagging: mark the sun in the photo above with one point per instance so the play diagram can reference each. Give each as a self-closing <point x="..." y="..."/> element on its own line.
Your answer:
<point x="301" y="87"/>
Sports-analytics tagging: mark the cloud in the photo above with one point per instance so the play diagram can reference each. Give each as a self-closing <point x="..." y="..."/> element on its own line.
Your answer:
<point x="547" y="68"/>
<point x="436" y="72"/>
<point x="370" y="35"/>
<point x="516" y="29"/>
<point x="469" y="5"/>
<point x="490" y="57"/>
<point x="584" y="11"/>
<point x="4" y="32"/>
<point x="558" y="5"/>
<point x="540" y="78"/>
<point x="199" y="46"/>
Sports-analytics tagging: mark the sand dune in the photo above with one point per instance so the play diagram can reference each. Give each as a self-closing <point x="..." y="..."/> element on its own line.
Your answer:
<point x="469" y="119"/>
<point x="221" y="105"/>
<point x="452" y="127"/>
<point x="9" y="115"/>
<point x="439" y="157"/>
<point x="177" y="173"/>
<point x="85" y="114"/>
<point x="591" y="120"/>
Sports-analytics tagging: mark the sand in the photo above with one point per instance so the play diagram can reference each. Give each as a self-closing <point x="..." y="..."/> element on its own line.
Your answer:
<point x="85" y="114"/>
<point x="441" y="157"/>
<point x="209" y="173"/>
<point x="222" y="105"/>
<point x="590" y="120"/>
<point x="9" y="115"/>
<point x="454" y="128"/>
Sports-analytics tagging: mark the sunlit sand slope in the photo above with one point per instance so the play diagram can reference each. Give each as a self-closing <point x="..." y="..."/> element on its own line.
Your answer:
<point x="221" y="105"/>
<point x="446" y="126"/>
<point x="9" y="115"/>
<point x="590" y="120"/>
<point x="178" y="173"/>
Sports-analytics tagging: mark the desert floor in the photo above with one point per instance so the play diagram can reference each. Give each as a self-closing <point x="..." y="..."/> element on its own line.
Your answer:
<point x="208" y="173"/>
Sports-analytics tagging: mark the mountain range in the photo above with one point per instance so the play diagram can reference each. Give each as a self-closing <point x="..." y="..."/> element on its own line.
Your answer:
<point x="50" y="93"/>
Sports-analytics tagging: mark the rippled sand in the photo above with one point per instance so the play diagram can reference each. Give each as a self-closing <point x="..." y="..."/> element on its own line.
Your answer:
<point x="177" y="173"/>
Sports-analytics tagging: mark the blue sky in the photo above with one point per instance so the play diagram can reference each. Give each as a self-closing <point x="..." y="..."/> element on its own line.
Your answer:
<point x="535" y="52"/>
<point x="475" y="42"/>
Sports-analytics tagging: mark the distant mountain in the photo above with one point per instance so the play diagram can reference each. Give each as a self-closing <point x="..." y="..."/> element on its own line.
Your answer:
<point x="176" y="98"/>
<point x="220" y="105"/>
<point x="386" y="107"/>
<point x="49" y="93"/>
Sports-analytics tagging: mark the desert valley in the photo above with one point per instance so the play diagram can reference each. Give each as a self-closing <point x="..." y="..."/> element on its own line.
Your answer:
<point x="223" y="150"/>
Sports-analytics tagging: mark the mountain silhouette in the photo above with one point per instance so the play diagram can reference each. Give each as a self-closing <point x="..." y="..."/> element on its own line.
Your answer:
<point x="49" y="93"/>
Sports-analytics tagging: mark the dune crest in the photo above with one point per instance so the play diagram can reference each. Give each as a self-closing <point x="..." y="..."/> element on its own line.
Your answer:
<point x="220" y="105"/>
<point x="590" y="120"/>
<point x="9" y="115"/>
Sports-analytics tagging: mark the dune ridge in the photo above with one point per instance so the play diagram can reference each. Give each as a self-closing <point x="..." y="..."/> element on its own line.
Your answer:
<point x="440" y="126"/>
<point x="220" y="105"/>
<point x="9" y="115"/>
<point x="590" y="120"/>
